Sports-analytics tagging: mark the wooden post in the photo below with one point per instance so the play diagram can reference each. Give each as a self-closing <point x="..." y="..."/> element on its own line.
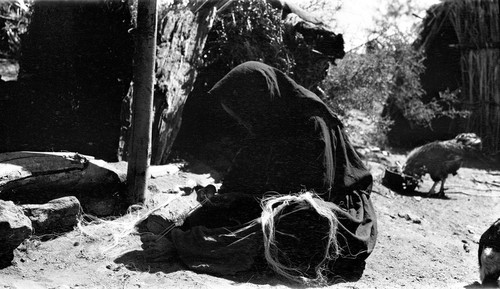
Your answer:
<point x="142" y="107"/>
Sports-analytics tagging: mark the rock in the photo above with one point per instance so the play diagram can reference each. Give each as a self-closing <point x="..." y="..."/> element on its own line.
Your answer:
<point x="470" y="229"/>
<point x="59" y="215"/>
<point x="466" y="246"/>
<point x="416" y="220"/>
<point x="15" y="227"/>
<point x="410" y="217"/>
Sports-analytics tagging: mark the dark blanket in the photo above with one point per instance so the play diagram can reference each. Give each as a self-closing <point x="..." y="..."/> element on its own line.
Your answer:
<point x="296" y="143"/>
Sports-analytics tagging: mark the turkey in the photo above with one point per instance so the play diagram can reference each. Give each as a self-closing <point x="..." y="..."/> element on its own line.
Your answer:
<point x="440" y="158"/>
<point x="489" y="255"/>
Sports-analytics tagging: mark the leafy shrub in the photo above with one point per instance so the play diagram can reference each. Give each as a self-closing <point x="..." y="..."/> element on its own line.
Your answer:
<point x="366" y="81"/>
<point x="249" y="30"/>
<point x="14" y="20"/>
<point x="387" y="70"/>
<point x="385" y="79"/>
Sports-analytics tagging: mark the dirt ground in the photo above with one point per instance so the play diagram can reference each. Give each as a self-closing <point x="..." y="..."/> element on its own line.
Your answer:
<point x="423" y="242"/>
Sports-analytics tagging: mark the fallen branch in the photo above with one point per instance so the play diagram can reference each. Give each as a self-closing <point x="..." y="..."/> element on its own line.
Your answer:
<point x="38" y="177"/>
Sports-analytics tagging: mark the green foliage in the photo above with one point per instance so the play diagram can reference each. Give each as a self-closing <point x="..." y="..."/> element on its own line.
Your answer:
<point x="398" y="17"/>
<point x="389" y="70"/>
<point x="14" y="20"/>
<point x="387" y="74"/>
<point x="365" y="81"/>
<point x="326" y="10"/>
<point x="249" y="30"/>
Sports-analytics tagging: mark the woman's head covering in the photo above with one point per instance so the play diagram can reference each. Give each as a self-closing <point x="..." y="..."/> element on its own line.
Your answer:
<point x="268" y="100"/>
<point x="275" y="107"/>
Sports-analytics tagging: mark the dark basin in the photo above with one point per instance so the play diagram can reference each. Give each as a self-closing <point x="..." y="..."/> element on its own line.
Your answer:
<point x="399" y="182"/>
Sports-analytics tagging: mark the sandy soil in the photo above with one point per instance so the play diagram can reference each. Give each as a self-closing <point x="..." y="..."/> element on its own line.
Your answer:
<point x="423" y="242"/>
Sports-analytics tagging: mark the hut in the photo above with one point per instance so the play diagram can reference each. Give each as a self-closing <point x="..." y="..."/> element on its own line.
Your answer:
<point x="461" y="41"/>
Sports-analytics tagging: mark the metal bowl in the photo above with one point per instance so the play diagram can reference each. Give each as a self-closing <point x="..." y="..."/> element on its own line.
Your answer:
<point x="399" y="182"/>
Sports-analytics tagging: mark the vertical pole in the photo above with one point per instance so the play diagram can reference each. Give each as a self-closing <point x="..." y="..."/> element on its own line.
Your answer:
<point x="142" y="103"/>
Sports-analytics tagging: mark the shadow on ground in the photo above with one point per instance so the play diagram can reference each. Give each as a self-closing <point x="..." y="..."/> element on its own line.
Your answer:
<point x="477" y="285"/>
<point x="425" y="195"/>
<point x="136" y="261"/>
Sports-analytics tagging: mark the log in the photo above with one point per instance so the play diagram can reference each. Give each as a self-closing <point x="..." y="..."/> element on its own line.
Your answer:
<point x="38" y="177"/>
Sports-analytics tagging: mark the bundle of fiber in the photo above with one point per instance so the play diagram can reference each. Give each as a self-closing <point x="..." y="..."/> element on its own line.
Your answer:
<point x="299" y="237"/>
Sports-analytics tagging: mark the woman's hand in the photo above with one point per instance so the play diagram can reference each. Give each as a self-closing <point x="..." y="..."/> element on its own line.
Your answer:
<point x="206" y="193"/>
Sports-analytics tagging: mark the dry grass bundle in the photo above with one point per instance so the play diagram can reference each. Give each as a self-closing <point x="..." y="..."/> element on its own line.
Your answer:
<point x="114" y="232"/>
<point x="299" y="237"/>
<point x="117" y="230"/>
<point x="476" y="22"/>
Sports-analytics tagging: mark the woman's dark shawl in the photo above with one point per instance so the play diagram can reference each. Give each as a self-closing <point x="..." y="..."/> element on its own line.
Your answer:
<point x="298" y="144"/>
<point x="292" y="120"/>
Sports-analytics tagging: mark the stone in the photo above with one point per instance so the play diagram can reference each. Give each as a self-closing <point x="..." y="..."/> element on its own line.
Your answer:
<point x="15" y="227"/>
<point x="56" y="216"/>
<point x="410" y="217"/>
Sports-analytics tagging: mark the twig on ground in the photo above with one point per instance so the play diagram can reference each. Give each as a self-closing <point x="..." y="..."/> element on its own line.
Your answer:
<point x="494" y="183"/>
<point x="379" y="193"/>
<point x="473" y="189"/>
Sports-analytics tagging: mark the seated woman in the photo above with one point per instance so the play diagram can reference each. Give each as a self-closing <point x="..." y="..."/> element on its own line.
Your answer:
<point x="295" y="144"/>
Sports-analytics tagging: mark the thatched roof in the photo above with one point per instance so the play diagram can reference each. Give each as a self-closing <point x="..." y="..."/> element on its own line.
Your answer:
<point x="474" y="23"/>
<point x="461" y="40"/>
